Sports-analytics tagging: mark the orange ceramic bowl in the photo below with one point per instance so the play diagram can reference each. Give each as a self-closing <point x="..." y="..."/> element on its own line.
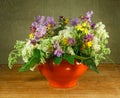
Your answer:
<point x="64" y="75"/>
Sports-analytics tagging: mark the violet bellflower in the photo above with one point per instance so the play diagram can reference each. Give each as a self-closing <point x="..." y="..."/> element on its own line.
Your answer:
<point x="35" y="25"/>
<point x="74" y="21"/>
<point x="88" y="16"/>
<point x="58" y="51"/>
<point x="41" y="31"/>
<point x="51" y="21"/>
<point x="40" y="19"/>
<point x="92" y="25"/>
<point x="88" y="37"/>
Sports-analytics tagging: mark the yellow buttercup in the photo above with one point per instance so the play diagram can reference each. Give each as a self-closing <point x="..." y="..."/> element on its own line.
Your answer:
<point x="31" y="35"/>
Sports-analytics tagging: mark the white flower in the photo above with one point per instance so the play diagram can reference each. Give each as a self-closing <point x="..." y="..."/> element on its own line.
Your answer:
<point x="101" y="31"/>
<point x="96" y="45"/>
<point x="44" y="45"/>
<point x="55" y="38"/>
<point x="27" y="51"/>
<point x="100" y="36"/>
<point x="70" y="50"/>
<point x="66" y="33"/>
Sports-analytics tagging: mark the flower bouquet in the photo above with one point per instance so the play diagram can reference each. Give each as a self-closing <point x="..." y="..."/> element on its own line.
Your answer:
<point x="67" y="39"/>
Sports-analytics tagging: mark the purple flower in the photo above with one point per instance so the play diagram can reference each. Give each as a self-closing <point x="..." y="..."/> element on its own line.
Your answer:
<point x="40" y="32"/>
<point x="61" y="18"/>
<point x="71" y="41"/>
<point x="88" y="37"/>
<point x="56" y="44"/>
<point x="32" y="29"/>
<point x="35" y="25"/>
<point x="33" y="42"/>
<point x="74" y="21"/>
<point x="40" y="19"/>
<point x="51" y="21"/>
<point x="88" y="16"/>
<point x="92" y="25"/>
<point x="58" y="51"/>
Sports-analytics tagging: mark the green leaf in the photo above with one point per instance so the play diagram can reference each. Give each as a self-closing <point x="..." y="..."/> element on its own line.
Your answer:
<point x="32" y="62"/>
<point x="91" y="64"/>
<point x="36" y="53"/>
<point x="69" y="58"/>
<point x="80" y="57"/>
<point x="29" y="65"/>
<point x="57" y="60"/>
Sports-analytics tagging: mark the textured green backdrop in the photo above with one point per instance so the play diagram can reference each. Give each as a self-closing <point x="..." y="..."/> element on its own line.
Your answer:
<point x="16" y="17"/>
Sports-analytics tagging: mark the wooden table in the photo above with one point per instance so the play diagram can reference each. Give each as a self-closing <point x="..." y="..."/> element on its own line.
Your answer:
<point x="29" y="84"/>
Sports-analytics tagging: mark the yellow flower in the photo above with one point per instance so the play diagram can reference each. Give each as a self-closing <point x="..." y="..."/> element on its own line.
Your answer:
<point x="86" y="31"/>
<point x="79" y="27"/>
<point x="65" y="41"/>
<point x="89" y="44"/>
<point x="66" y="21"/>
<point x="84" y="24"/>
<point x="31" y="35"/>
<point x="49" y="26"/>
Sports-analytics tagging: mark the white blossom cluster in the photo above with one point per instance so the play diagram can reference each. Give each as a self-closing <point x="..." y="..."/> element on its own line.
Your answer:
<point x="99" y="42"/>
<point x="27" y="51"/>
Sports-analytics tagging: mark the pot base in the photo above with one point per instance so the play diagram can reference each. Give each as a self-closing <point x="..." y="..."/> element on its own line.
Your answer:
<point x="59" y="84"/>
<point x="64" y="75"/>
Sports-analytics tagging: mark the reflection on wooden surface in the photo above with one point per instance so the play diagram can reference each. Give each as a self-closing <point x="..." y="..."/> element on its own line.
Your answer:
<point x="33" y="85"/>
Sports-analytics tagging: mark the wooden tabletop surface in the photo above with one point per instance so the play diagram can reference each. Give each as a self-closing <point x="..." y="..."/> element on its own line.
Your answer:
<point x="29" y="84"/>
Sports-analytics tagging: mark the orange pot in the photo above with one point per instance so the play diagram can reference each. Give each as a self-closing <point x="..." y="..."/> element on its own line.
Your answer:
<point x="64" y="75"/>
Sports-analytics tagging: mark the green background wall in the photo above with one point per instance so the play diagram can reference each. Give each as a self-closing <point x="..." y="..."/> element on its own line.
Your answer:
<point x="16" y="17"/>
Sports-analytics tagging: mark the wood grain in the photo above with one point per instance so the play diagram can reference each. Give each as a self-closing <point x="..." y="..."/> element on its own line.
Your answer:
<point x="33" y="85"/>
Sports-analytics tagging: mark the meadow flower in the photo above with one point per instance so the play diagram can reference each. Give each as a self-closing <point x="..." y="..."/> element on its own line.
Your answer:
<point x="50" y="21"/>
<point x="74" y="21"/>
<point x="61" y="18"/>
<point x="88" y="16"/>
<point x="58" y="51"/>
<point x="40" y="19"/>
<point x="32" y="29"/>
<point x="71" y="41"/>
<point x="80" y="39"/>
<point x="88" y="37"/>
<point x="66" y="21"/>
<point x="40" y="32"/>
<point x="31" y="35"/>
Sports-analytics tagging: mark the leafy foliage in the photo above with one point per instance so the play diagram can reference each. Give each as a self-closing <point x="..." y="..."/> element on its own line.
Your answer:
<point x="14" y="54"/>
<point x="78" y="38"/>
<point x="91" y="64"/>
<point x="33" y="61"/>
<point x="57" y="60"/>
<point x="69" y="58"/>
